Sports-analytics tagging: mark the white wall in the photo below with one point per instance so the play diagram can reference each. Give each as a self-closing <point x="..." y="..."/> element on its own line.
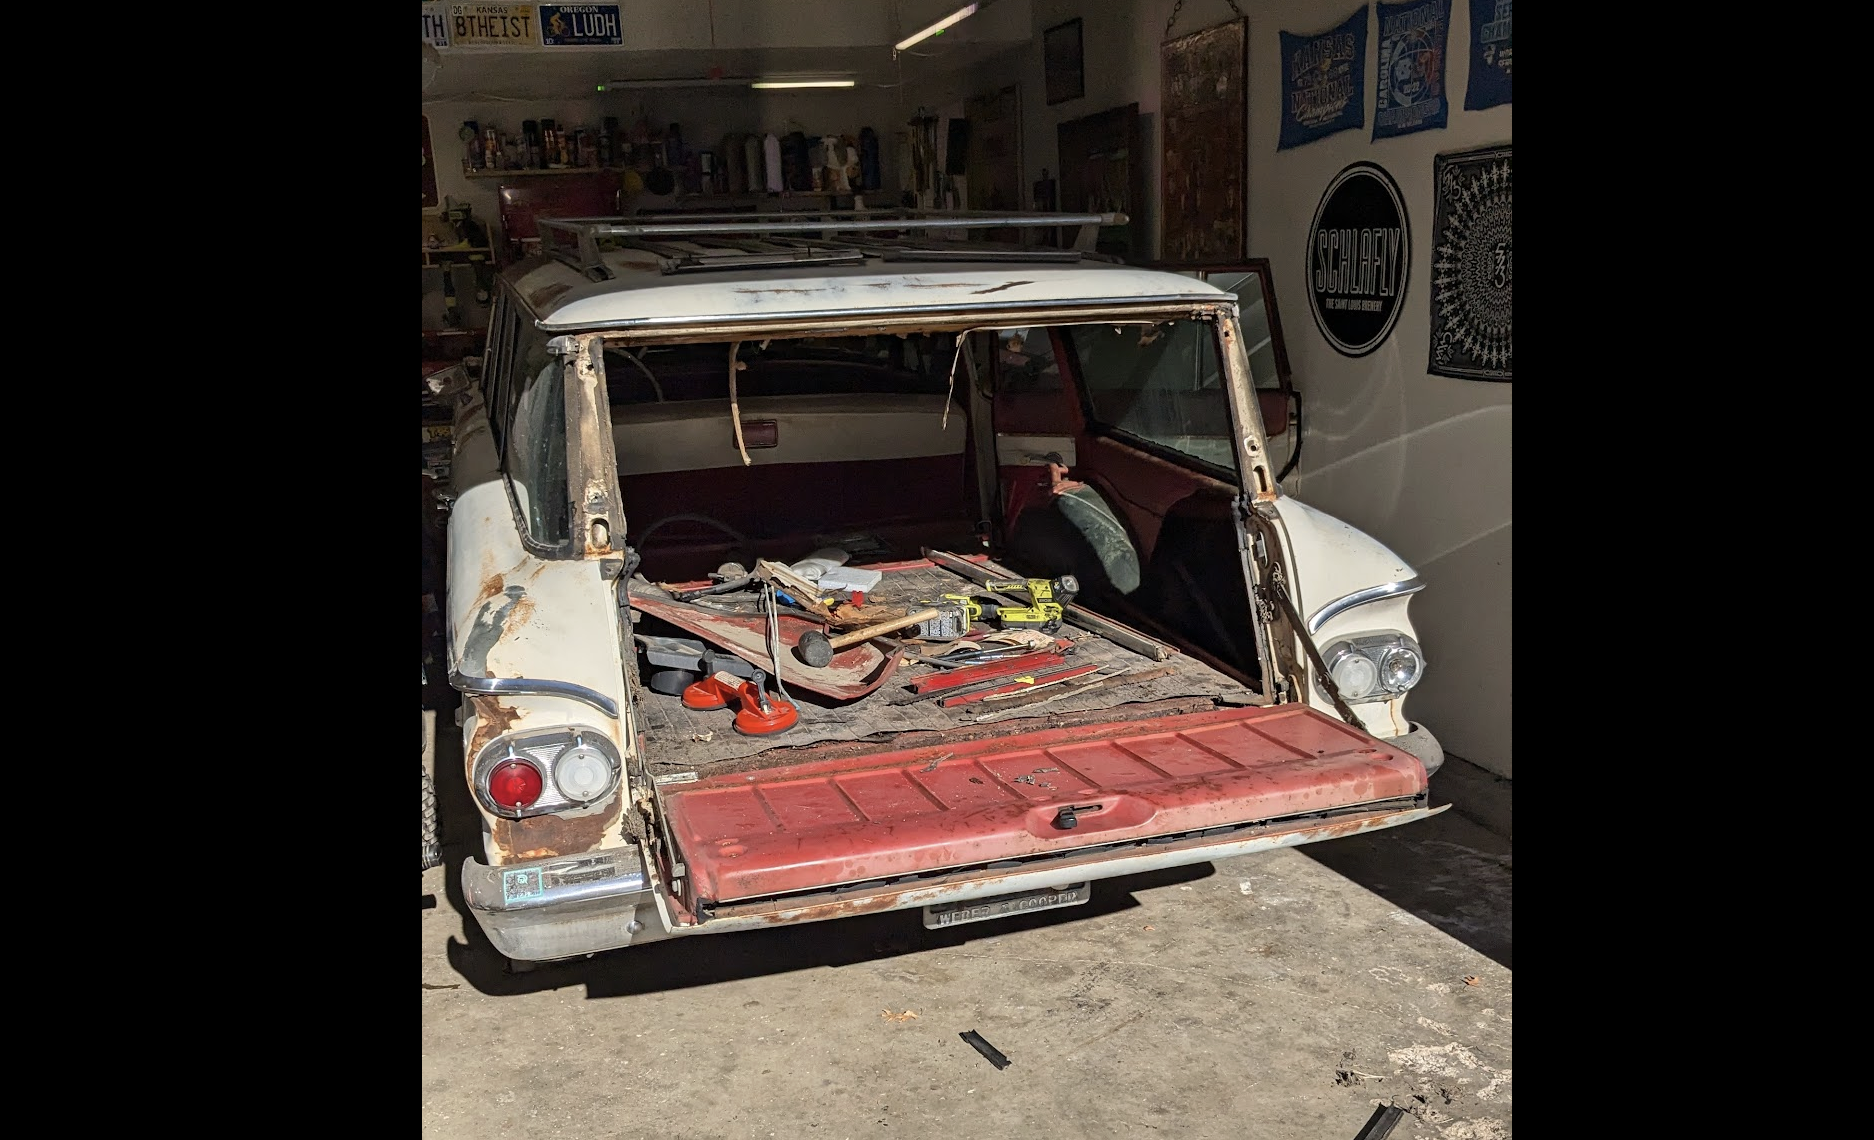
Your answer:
<point x="1421" y="462"/>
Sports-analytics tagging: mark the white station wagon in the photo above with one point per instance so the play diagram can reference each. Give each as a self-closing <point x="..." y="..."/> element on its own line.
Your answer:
<point x="809" y="566"/>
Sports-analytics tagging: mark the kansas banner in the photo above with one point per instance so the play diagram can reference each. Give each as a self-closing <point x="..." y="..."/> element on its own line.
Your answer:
<point x="1490" y="55"/>
<point x="1323" y="82"/>
<point x="1411" y="96"/>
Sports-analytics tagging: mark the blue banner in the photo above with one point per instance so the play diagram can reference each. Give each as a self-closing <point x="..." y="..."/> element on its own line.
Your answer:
<point x="1324" y="82"/>
<point x="1490" y="55"/>
<point x="580" y="25"/>
<point x="1411" y="95"/>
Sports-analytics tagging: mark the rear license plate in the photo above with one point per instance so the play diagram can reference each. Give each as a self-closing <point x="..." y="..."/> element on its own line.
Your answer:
<point x="1002" y="906"/>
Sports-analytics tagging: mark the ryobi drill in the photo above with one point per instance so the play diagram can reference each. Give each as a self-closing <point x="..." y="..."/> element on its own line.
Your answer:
<point x="1048" y="599"/>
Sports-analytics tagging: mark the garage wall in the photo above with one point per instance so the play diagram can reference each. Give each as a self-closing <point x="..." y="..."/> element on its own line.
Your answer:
<point x="1421" y="462"/>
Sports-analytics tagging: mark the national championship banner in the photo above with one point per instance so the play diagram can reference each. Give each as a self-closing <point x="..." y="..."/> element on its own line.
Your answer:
<point x="1323" y="82"/>
<point x="1490" y="55"/>
<point x="1412" y="37"/>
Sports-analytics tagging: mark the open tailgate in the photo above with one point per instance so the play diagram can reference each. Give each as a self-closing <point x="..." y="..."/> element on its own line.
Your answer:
<point x="891" y="815"/>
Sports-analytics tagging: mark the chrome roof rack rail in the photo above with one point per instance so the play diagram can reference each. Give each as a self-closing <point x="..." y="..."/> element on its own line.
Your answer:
<point x="713" y="243"/>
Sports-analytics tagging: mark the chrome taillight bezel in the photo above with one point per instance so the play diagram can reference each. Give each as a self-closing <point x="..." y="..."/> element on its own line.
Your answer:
<point x="542" y="750"/>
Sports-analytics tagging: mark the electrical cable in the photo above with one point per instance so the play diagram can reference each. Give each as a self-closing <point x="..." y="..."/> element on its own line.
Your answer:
<point x="774" y="640"/>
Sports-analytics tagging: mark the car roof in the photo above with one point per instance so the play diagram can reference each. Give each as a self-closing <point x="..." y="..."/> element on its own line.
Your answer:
<point x="640" y="295"/>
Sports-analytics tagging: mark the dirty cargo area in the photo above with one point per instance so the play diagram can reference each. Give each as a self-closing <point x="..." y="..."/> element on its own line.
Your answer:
<point x="733" y="452"/>
<point x="680" y="740"/>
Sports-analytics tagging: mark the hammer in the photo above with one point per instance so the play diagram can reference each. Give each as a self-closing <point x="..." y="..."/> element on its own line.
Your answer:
<point x="817" y="649"/>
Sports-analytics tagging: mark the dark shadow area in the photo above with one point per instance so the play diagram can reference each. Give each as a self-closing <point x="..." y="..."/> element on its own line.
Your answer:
<point x="1448" y="870"/>
<point x="701" y="960"/>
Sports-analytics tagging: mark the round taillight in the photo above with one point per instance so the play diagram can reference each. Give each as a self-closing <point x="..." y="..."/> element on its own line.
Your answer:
<point x="514" y="784"/>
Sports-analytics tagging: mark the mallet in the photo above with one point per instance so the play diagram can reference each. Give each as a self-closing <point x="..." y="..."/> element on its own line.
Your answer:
<point x="817" y="649"/>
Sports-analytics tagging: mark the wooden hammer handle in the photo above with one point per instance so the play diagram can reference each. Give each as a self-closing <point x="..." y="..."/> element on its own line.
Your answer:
<point x="868" y="633"/>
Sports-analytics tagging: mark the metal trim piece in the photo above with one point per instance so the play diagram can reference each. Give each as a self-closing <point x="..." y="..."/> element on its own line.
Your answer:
<point x="615" y="874"/>
<point x="1341" y="605"/>
<point x="1102" y="310"/>
<point x="528" y="686"/>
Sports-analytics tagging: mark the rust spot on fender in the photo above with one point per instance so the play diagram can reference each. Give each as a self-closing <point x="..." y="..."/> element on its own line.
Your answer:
<point x="492" y="718"/>
<point x="491" y="586"/>
<point x="544" y="836"/>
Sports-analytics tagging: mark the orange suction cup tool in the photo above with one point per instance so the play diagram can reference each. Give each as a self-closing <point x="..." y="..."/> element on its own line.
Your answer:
<point x="760" y="714"/>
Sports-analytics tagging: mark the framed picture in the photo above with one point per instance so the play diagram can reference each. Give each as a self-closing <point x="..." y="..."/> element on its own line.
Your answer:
<point x="1472" y="264"/>
<point x="1062" y="62"/>
<point x="1103" y="171"/>
<point x="1204" y="171"/>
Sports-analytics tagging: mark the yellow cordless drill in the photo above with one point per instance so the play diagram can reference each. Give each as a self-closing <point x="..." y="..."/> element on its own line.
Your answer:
<point x="1048" y="599"/>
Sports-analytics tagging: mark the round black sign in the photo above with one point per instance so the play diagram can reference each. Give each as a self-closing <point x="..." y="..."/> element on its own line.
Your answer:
<point x="1359" y="254"/>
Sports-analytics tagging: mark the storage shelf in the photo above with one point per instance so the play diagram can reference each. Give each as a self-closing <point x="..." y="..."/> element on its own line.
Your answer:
<point x="548" y="172"/>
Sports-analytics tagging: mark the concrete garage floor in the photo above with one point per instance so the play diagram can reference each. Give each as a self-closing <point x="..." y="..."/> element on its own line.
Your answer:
<point x="1281" y="995"/>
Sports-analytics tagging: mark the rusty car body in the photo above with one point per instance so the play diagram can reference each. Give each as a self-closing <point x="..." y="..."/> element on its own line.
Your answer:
<point x="661" y="396"/>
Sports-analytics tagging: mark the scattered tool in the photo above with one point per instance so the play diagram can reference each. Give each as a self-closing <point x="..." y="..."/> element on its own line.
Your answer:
<point x="806" y="594"/>
<point x="854" y="673"/>
<point x="682" y="655"/>
<point x="1077" y="615"/>
<point x="1044" y="611"/>
<point x="1009" y="704"/>
<point x="760" y="715"/>
<point x="1019" y="684"/>
<point x="990" y="1053"/>
<point x="817" y="649"/>
<point x="971" y="674"/>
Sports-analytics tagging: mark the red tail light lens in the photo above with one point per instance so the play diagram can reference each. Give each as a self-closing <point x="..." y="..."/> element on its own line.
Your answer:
<point x="514" y="784"/>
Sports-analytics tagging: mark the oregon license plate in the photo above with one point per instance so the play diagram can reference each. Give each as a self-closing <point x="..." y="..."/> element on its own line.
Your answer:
<point x="1002" y="906"/>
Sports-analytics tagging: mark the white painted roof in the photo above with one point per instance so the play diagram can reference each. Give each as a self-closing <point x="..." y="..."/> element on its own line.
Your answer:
<point x="640" y="296"/>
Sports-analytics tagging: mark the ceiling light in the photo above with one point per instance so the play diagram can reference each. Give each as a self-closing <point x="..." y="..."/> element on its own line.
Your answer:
<point x="955" y="17"/>
<point x="777" y="84"/>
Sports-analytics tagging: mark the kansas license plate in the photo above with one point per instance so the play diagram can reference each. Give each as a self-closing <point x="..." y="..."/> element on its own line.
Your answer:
<point x="1002" y="906"/>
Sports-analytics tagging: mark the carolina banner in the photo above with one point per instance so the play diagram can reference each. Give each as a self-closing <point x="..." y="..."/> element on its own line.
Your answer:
<point x="1490" y="55"/>
<point x="1412" y="37"/>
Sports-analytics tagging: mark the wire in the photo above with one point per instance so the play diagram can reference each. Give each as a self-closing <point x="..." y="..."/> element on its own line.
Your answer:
<point x="655" y="386"/>
<point x="774" y="638"/>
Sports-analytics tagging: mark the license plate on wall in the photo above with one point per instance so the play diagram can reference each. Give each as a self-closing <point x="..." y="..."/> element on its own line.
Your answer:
<point x="1004" y="906"/>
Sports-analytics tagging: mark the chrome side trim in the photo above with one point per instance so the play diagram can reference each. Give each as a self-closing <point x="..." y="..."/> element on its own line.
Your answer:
<point x="616" y="874"/>
<point x="532" y="687"/>
<point x="1341" y="605"/>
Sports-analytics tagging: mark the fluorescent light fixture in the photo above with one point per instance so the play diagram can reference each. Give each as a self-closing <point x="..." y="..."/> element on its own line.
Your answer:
<point x="780" y="84"/>
<point x="955" y="17"/>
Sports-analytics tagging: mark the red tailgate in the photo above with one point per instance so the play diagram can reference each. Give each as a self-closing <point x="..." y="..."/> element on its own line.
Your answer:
<point x="819" y="825"/>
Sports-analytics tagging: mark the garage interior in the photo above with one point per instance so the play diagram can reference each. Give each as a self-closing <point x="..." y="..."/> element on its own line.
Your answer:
<point x="1295" y="993"/>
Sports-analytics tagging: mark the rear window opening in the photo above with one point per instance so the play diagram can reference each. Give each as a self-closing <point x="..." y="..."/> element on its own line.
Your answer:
<point x="858" y="442"/>
<point x="1101" y="451"/>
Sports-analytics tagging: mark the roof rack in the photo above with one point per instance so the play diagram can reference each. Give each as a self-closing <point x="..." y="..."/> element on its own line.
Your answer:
<point x="691" y="242"/>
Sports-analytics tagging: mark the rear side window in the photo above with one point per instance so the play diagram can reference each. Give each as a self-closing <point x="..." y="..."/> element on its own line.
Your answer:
<point x="1159" y="383"/>
<point x="536" y="441"/>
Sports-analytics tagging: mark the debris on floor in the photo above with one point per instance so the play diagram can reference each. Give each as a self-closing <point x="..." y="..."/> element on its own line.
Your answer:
<point x="1380" y="1124"/>
<point x="1473" y="980"/>
<point x="990" y="1053"/>
<point x="907" y="1015"/>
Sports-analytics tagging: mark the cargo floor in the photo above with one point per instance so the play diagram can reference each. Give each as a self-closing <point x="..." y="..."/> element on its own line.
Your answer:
<point x="680" y="740"/>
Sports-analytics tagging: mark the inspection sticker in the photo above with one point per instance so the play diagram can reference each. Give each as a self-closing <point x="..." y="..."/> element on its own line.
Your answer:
<point x="518" y="885"/>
